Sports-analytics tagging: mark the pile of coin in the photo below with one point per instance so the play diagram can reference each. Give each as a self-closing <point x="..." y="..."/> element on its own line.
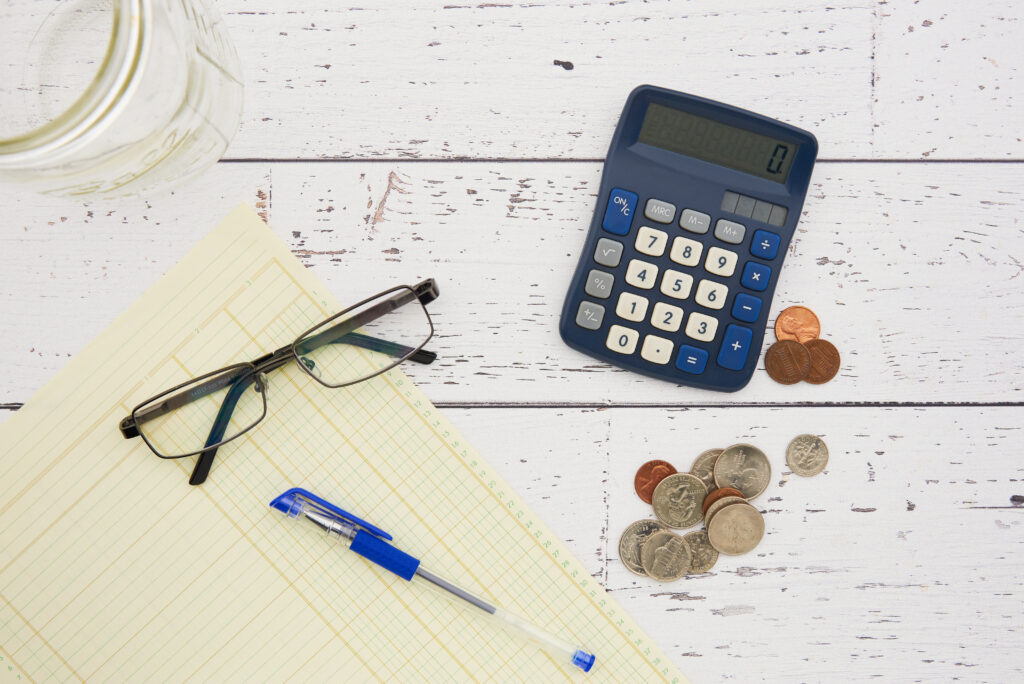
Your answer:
<point x="717" y="491"/>
<point x="799" y="354"/>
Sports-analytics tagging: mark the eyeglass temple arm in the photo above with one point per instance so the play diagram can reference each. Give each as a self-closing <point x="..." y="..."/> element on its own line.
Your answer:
<point x="220" y="426"/>
<point x="129" y="425"/>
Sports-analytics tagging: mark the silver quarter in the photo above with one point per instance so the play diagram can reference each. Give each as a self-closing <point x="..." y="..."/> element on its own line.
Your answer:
<point x="744" y="467"/>
<point x="807" y="455"/>
<point x="632" y="541"/>
<point x="719" y="505"/>
<point x="704" y="468"/>
<point x="677" y="500"/>
<point x="666" y="556"/>
<point x="736" y="529"/>
<point x="703" y="555"/>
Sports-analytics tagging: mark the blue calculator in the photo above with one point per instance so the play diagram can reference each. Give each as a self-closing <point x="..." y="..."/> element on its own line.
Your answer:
<point x="697" y="205"/>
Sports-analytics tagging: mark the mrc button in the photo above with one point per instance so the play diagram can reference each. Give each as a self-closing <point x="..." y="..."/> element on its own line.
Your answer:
<point x="659" y="211"/>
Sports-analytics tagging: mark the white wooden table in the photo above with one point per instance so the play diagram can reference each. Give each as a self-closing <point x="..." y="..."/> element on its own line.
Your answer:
<point x="397" y="140"/>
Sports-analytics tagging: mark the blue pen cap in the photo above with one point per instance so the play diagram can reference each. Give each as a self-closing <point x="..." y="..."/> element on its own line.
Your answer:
<point x="296" y="500"/>
<point x="583" y="660"/>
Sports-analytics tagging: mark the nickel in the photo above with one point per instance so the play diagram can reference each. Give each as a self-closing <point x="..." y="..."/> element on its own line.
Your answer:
<point x="704" y="467"/>
<point x="703" y="555"/>
<point x="736" y="529"/>
<point x="824" y="361"/>
<point x="648" y="477"/>
<point x="807" y="455"/>
<point x="677" y="500"/>
<point x="797" y="323"/>
<point x="665" y="556"/>
<point x="787" y="362"/>
<point x="743" y="467"/>
<point x="632" y="541"/>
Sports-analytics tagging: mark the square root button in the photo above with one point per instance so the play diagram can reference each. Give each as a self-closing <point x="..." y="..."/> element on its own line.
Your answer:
<point x="691" y="359"/>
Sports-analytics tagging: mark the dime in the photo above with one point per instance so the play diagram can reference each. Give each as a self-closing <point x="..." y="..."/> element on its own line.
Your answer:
<point x="665" y="556"/>
<point x="736" y="529"/>
<point x="714" y="508"/>
<point x="797" y="323"/>
<point x="648" y="477"/>
<point x="745" y="468"/>
<point x="807" y="455"/>
<point x="824" y="361"/>
<point x="787" y="362"/>
<point x="632" y="540"/>
<point x="703" y="555"/>
<point x="677" y="500"/>
<point x="718" y="494"/>
<point x="704" y="468"/>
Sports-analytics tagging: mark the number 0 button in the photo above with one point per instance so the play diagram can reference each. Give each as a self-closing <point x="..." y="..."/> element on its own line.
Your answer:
<point x="622" y="340"/>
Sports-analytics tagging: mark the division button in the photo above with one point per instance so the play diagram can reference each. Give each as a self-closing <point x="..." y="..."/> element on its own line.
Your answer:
<point x="735" y="347"/>
<point x="659" y="211"/>
<point x="764" y="244"/>
<point x="608" y="252"/>
<point x="599" y="284"/>
<point x="618" y="215"/>
<point x="656" y="350"/>
<point x="694" y="221"/>
<point x="691" y="359"/>
<point x="589" y="315"/>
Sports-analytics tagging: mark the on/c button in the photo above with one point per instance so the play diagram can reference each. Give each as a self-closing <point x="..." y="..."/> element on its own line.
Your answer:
<point x="618" y="215"/>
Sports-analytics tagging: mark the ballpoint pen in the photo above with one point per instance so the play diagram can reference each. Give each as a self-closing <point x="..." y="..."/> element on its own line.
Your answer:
<point x="371" y="543"/>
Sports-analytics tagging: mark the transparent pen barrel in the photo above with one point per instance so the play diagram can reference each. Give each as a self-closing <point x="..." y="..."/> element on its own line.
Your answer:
<point x="561" y="651"/>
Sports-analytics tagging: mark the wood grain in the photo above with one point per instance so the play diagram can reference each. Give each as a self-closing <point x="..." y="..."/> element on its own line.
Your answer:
<point x="915" y="272"/>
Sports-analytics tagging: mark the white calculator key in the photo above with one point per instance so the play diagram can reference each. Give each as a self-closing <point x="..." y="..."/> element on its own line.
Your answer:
<point x="631" y="307"/>
<point x="622" y="340"/>
<point x="656" y="349"/>
<point x="685" y="251"/>
<point x="651" y="241"/>
<point x="666" y="317"/>
<point x="700" y="327"/>
<point x="721" y="262"/>
<point x="641" y="274"/>
<point x="676" y="284"/>
<point x="711" y="294"/>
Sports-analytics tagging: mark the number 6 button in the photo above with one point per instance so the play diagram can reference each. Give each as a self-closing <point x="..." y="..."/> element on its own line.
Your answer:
<point x="711" y="294"/>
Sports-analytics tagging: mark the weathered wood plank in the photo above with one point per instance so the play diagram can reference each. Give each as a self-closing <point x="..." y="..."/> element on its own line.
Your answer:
<point x="914" y="270"/>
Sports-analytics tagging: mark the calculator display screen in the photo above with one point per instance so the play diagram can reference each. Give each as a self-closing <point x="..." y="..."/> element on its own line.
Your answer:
<point x="711" y="141"/>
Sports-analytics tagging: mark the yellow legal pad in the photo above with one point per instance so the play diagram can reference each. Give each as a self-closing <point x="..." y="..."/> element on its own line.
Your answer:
<point x="113" y="568"/>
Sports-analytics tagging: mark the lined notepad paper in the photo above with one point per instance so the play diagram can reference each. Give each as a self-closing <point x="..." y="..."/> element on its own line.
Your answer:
<point x="113" y="568"/>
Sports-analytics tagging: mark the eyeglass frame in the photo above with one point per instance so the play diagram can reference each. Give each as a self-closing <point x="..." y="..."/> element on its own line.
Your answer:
<point x="425" y="292"/>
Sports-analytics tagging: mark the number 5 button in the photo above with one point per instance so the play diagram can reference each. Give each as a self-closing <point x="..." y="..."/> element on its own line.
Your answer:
<point x="711" y="294"/>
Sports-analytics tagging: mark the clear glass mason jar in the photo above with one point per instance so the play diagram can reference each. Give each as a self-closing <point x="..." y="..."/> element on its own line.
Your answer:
<point x="114" y="97"/>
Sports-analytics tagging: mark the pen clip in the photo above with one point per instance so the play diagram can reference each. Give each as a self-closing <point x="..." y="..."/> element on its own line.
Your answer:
<point x="292" y="503"/>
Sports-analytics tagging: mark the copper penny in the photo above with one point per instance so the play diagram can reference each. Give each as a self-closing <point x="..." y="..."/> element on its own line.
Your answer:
<point x="787" y="362"/>
<point x="824" y="361"/>
<point x="718" y="494"/>
<point x="797" y="323"/>
<point x="648" y="477"/>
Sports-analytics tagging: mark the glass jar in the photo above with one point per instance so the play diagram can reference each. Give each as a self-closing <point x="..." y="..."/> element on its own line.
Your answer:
<point x="114" y="97"/>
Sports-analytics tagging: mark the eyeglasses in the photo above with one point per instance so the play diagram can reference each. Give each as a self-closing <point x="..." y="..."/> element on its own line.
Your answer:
<point x="363" y="341"/>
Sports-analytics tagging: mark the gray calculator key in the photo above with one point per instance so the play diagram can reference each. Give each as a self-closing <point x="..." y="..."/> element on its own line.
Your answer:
<point x="694" y="221"/>
<point x="762" y="210"/>
<point x="778" y="215"/>
<point x="589" y="315"/>
<point x="599" y="284"/>
<point x="745" y="206"/>
<point x="659" y="211"/>
<point x="729" y="200"/>
<point x="729" y="231"/>
<point x="608" y="252"/>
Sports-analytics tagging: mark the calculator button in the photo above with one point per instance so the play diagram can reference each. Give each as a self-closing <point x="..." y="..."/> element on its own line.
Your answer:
<point x="589" y="315"/>
<point x="694" y="221"/>
<point x="656" y="350"/>
<point x="691" y="359"/>
<point x="651" y="242"/>
<point x="745" y="206"/>
<point x="746" y="307"/>
<point x="631" y="307"/>
<point x="618" y="215"/>
<point x="778" y="215"/>
<point x="755" y="276"/>
<point x="676" y="284"/>
<point x="599" y="284"/>
<point x="641" y="274"/>
<point x="711" y="294"/>
<point x="762" y="210"/>
<point x="608" y="252"/>
<point x="735" y="347"/>
<point x="764" y="244"/>
<point x="659" y="211"/>
<point x="686" y="252"/>
<point x="721" y="262"/>
<point x="622" y="340"/>
<point x="666" y="317"/>
<point x="701" y="327"/>
<point x="730" y="231"/>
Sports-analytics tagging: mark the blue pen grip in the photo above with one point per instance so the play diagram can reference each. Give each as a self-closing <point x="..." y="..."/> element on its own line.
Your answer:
<point x="378" y="551"/>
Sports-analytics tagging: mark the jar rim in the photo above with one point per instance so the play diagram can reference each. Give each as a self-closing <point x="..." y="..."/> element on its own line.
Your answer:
<point x="83" y="119"/>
